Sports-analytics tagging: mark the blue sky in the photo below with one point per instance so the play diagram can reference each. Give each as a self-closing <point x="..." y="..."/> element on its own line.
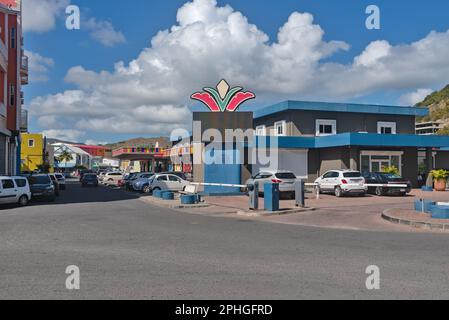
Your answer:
<point x="402" y="23"/>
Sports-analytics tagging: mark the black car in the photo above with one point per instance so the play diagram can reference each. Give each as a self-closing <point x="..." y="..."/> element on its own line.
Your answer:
<point x="386" y="179"/>
<point x="42" y="187"/>
<point x="89" y="179"/>
<point x="84" y="172"/>
<point x="56" y="184"/>
<point x="128" y="180"/>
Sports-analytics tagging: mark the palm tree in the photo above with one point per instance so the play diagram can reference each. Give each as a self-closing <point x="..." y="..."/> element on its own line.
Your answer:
<point x="65" y="157"/>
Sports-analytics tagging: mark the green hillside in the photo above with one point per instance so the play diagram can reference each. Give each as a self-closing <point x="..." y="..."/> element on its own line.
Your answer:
<point x="438" y="104"/>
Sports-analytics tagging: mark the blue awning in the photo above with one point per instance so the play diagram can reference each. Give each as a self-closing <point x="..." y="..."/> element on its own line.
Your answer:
<point x="358" y="139"/>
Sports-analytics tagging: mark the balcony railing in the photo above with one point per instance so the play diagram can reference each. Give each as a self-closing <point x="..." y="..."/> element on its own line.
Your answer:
<point x="24" y="64"/>
<point x="24" y="121"/>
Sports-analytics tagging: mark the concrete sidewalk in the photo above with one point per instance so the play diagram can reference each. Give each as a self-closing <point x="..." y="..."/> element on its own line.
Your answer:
<point x="354" y="213"/>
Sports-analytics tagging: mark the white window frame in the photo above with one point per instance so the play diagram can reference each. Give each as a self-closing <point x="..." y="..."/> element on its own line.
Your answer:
<point x="325" y="122"/>
<point x="261" y="130"/>
<point x="390" y="154"/>
<point x="282" y="124"/>
<point x="385" y="124"/>
<point x="31" y="143"/>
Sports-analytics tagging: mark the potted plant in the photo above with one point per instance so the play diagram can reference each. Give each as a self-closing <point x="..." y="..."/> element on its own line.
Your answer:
<point x="440" y="179"/>
<point x="391" y="170"/>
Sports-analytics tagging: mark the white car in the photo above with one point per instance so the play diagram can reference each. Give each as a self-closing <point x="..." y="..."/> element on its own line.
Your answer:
<point x="342" y="182"/>
<point x="112" y="178"/>
<point x="285" y="179"/>
<point x="15" y="190"/>
<point x="166" y="182"/>
<point x="60" y="178"/>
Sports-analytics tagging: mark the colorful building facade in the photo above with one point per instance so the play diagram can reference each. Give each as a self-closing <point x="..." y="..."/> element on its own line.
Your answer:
<point x="13" y="74"/>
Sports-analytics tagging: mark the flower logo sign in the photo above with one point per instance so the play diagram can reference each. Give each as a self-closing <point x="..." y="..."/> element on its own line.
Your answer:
<point x="223" y="98"/>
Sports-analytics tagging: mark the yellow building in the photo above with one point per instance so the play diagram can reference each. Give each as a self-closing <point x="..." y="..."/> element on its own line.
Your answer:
<point x="32" y="152"/>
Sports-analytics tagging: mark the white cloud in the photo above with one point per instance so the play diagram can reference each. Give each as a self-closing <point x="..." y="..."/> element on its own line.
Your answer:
<point x="149" y="94"/>
<point x="41" y="15"/>
<point x="412" y="98"/>
<point x="91" y="142"/>
<point x="64" y="134"/>
<point x="38" y="66"/>
<point x="104" y="32"/>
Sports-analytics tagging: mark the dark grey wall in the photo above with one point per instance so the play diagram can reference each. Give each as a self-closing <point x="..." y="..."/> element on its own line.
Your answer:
<point x="322" y="160"/>
<point x="300" y="122"/>
<point x="442" y="160"/>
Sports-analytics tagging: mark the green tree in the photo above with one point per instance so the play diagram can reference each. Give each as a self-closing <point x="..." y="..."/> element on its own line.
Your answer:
<point x="65" y="157"/>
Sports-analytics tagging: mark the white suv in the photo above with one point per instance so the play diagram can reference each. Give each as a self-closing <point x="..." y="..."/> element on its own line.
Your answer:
<point x="15" y="190"/>
<point x="112" y="178"/>
<point x="341" y="182"/>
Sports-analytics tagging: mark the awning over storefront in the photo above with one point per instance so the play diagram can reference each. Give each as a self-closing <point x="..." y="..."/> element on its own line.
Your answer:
<point x="140" y="153"/>
<point x="358" y="139"/>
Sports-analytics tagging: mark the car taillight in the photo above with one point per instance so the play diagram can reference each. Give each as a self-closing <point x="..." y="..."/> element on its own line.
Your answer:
<point x="343" y="181"/>
<point x="276" y="181"/>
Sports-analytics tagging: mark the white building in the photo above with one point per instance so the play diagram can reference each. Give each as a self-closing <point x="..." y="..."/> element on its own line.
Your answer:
<point x="79" y="156"/>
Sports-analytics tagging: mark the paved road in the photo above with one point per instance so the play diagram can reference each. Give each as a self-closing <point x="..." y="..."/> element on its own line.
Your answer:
<point x="128" y="249"/>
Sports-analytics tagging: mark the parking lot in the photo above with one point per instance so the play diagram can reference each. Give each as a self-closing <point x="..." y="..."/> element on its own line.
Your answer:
<point x="357" y="213"/>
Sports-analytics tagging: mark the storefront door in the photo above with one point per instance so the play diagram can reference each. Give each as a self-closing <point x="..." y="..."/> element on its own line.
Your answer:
<point x="377" y="161"/>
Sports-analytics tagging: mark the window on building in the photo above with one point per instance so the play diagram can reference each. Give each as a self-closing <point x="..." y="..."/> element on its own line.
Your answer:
<point x="12" y="94"/>
<point x="386" y="127"/>
<point x="261" y="131"/>
<point x="280" y="128"/>
<point x="326" y="127"/>
<point x="13" y="38"/>
<point x="31" y="143"/>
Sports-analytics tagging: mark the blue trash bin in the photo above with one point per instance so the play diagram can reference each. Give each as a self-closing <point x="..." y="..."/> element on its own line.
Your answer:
<point x="188" y="199"/>
<point x="271" y="197"/>
<point x="168" y="195"/>
<point x="157" y="194"/>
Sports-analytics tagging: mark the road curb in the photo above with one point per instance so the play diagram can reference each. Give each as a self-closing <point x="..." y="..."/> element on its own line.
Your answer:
<point x="276" y="213"/>
<point x="387" y="215"/>
<point x="167" y="204"/>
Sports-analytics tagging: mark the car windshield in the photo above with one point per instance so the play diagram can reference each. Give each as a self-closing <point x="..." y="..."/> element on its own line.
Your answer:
<point x="352" y="175"/>
<point x="390" y="176"/>
<point x="40" y="180"/>
<point x="285" y="175"/>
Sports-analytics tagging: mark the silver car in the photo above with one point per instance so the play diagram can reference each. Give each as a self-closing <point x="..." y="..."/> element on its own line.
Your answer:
<point x="167" y="182"/>
<point x="285" y="179"/>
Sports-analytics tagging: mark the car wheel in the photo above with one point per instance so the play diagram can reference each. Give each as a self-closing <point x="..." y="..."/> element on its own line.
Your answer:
<point x="379" y="191"/>
<point x="23" y="201"/>
<point x="146" y="189"/>
<point x="338" y="192"/>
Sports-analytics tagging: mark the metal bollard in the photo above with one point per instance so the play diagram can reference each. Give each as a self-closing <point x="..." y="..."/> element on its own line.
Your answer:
<point x="300" y="193"/>
<point x="253" y="193"/>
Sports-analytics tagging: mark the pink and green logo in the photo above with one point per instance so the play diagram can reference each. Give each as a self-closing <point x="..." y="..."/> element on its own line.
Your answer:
<point x="223" y="98"/>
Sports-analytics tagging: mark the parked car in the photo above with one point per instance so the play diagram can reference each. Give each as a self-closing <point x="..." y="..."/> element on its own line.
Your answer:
<point x="83" y="172"/>
<point x="285" y="179"/>
<point x="60" y="178"/>
<point x="89" y="179"/>
<point x="133" y="177"/>
<point x="55" y="183"/>
<point x="42" y="187"/>
<point x="387" y="179"/>
<point x="15" y="190"/>
<point x="164" y="182"/>
<point x="342" y="182"/>
<point x="142" y="184"/>
<point x="180" y="174"/>
<point x="112" y="178"/>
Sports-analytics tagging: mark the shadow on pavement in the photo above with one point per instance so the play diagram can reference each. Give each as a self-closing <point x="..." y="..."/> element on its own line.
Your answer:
<point x="75" y="193"/>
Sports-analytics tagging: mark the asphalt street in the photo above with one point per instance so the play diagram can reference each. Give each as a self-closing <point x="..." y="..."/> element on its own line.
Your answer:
<point x="128" y="249"/>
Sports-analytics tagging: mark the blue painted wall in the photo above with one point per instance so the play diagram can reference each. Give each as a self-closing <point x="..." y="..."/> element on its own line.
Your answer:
<point x="223" y="169"/>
